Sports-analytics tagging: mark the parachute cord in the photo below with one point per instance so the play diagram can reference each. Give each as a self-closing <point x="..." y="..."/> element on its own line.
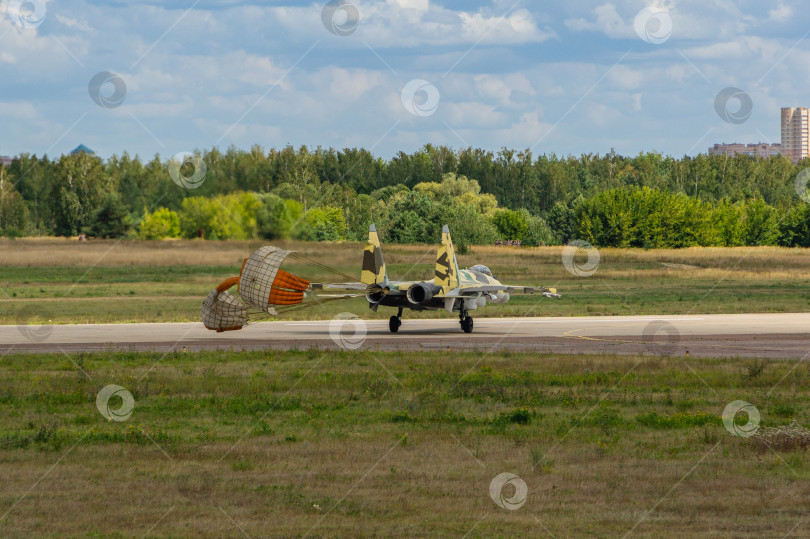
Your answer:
<point x="319" y="303"/>
<point x="257" y="315"/>
<point x="322" y="266"/>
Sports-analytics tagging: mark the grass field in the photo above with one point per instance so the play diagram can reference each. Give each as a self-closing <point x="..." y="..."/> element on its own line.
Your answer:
<point x="105" y="281"/>
<point x="326" y="444"/>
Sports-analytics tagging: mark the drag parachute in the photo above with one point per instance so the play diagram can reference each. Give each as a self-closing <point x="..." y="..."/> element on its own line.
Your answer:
<point x="263" y="290"/>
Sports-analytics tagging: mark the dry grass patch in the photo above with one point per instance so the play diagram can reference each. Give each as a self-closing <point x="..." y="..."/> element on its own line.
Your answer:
<point x="790" y="437"/>
<point x="371" y="444"/>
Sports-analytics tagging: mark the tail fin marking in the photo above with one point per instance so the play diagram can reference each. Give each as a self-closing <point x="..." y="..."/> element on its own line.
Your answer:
<point x="446" y="274"/>
<point x="373" y="264"/>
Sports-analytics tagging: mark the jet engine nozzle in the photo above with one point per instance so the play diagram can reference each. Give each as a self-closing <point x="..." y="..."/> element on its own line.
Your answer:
<point x="421" y="293"/>
<point x="375" y="293"/>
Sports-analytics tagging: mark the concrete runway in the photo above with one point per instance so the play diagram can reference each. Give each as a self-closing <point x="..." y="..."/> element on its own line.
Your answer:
<point x="776" y="336"/>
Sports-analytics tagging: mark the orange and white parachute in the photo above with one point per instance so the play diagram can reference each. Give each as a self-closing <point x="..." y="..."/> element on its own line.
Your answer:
<point x="263" y="288"/>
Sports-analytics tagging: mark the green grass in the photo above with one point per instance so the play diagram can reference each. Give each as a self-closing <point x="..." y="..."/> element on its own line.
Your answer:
<point x="173" y="294"/>
<point x="165" y="281"/>
<point x="405" y="443"/>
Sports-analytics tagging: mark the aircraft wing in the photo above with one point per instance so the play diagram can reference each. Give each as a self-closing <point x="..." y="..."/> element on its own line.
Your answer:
<point x="486" y="288"/>
<point x="470" y="290"/>
<point x="546" y="291"/>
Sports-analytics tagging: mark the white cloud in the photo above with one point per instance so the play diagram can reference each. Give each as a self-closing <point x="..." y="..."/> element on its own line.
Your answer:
<point x="257" y="70"/>
<point x="500" y="88"/>
<point x="418" y="5"/>
<point x="729" y="50"/>
<point x="412" y="23"/>
<point x="20" y="110"/>
<point x="781" y="13"/>
<point x="73" y="23"/>
<point x="679" y="72"/>
<point x="473" y="114"/>
<point x="626" y="78"/>
<point x="601" y="115"/>
<point x="175" y="109"/>
<point x="691" y="19"/>
<point x="526" y="131"/>
<point x="637" y="101"/>
<point x="607" y="20"/>
<point x="517" y="27"/>
<point x="348" y="84"/>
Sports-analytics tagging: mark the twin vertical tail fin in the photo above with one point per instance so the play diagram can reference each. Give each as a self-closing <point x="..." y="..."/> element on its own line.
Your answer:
<point x="446" y="275"/>
<point x="373" y="264"/>
<point x="374" y="272"/>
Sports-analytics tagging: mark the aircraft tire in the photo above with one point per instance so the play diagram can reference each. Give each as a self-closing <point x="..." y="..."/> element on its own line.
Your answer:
<point x="393" y="324"/>
<point x="467" y="324"/>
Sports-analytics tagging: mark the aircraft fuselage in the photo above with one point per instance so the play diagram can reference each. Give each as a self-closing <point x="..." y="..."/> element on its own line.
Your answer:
<point x="418" y="295"/>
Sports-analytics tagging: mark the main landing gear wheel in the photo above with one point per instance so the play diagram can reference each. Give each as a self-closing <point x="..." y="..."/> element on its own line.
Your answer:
<point x="467" y="324"/>
<point x="395" y="321"/>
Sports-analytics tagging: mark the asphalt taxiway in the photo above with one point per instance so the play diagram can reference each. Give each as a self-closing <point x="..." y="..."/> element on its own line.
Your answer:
<point x="772" y="335"/>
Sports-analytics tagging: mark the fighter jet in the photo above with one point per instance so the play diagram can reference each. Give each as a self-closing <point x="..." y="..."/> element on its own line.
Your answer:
<point x="265" y="289"/>
<point x="452" y="289"/>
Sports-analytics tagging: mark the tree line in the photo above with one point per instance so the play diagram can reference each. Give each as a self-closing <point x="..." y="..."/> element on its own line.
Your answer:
<point x="649" y="200"/>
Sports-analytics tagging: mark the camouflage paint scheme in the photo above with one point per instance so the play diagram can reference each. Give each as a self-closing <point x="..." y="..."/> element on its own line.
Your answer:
<point x="265" y="287"/>
<point x="451" y="289"/>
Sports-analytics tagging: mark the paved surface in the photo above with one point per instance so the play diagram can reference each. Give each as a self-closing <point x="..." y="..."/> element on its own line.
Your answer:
<point x="778" y="336"/>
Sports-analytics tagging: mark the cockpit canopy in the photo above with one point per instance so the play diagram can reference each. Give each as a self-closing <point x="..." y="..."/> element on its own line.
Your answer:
<point x="480" y="268"/>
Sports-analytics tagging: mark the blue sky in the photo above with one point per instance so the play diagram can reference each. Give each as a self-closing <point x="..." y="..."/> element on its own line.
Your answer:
<point x="565" y="77"/>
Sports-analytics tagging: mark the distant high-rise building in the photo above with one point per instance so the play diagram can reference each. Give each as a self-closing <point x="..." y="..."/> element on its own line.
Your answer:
<point x="796" y="133"/>
<point x="761" y="149"/>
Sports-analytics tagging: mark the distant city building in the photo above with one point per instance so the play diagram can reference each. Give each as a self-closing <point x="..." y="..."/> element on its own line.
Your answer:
<point x="795" y="139"/>
<point x="760" y="149"/>
<point x="5" y="160"/>
<point x="81" y="148"/>
<point x="796" y="133"/>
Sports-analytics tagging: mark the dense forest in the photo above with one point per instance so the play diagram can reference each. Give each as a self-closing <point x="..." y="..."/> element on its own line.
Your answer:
<point x="324" y="194"/>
